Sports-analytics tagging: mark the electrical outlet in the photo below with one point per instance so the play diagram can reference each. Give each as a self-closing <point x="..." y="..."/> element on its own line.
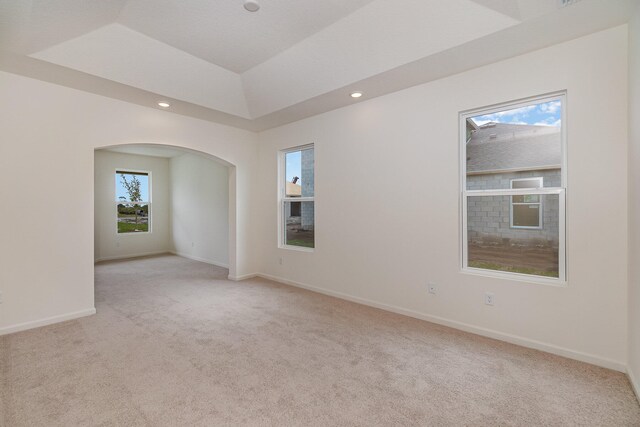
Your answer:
<point x="193" y="244"/>
<point x="0" y="297"/>
<point x="280" y="261"/>
<point x="117" y="244"/>
<point x="433" y="289"/>
<point x="489" y="298"/>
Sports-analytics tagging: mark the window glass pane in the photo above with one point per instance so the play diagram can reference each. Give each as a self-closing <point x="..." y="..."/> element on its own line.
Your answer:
<point x="526" y="215"/>
<point x="299" y="224"/>
<point x="527" y="198"/>
<point x="527" y="183"/>
<point x="133" y="217"/>
<point x="299" y="174"/>
<point x="132" y="187"/>
<point x="494" y="244"/>
<point x="515" y="143"/>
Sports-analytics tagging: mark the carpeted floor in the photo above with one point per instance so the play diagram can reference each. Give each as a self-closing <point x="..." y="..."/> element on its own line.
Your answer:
<point x="174" y="343"/>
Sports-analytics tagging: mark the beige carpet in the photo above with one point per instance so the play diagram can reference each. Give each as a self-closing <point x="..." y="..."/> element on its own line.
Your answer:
<point x="174" y="343"/>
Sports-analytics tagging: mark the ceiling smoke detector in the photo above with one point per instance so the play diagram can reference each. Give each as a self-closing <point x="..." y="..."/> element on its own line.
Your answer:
<point x="251" y="6"/>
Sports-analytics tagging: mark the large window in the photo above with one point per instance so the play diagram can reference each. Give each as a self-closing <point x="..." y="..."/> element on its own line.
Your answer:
<point x="296" y="193"/>
<point x="133" y="201"/>
<point x="513" y="175"/>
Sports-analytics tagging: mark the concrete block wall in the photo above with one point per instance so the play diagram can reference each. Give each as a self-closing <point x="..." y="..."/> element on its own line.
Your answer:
<point x="488" y="217"/>
<point x="551" y="178"/>
<point x="307" y="172"/>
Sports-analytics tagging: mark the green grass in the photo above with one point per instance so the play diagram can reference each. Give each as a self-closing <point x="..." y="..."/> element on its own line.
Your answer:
<point x="521" y="270"/>
<point x="300" y="242"/>
<point x="124" y="227"/>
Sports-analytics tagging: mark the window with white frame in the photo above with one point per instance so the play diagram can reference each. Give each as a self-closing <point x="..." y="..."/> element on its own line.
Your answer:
<point x="526" y="209"/>
<point x="513" y="177"/>
<point x="296" y="193"/>
<point x="133" y="201"/>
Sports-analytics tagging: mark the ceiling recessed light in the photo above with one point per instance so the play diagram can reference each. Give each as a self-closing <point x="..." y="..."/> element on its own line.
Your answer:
<point x="164" y="104"/>
<point x="251" y="6"/>
<point x="356" y="94"/>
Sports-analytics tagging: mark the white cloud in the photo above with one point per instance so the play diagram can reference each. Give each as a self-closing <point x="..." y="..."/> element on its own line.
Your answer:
<point x="550" y="107"/>
<point x="548" y="122"/>
<point x="522" y="111"/>
<point x="507" y="116"/>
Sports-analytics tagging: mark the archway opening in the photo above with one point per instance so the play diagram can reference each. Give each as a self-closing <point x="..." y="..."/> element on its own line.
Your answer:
<point x="157" y="198"/>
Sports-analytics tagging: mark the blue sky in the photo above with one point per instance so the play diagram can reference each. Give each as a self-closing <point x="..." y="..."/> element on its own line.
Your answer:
<point x="293" y="165"/>
<point x="544" y="114"/>
<point x="144" y="186"/>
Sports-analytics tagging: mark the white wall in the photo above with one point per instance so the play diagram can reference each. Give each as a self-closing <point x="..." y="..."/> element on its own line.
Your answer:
<point x="386" y="199"/>
<point x="634" y="199"/>
<point x="199" y="209"/>
<point x="48" y="137"/>
<point x="387" y="203"/>
<point x="108" y="243"/>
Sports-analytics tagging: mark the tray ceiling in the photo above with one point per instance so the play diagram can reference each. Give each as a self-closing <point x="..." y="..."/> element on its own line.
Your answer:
<point x="293" y="58"/>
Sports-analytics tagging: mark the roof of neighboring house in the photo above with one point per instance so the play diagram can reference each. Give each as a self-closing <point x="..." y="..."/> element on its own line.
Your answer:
<point x="293" y="190"/>
<point x="500" y="146"/>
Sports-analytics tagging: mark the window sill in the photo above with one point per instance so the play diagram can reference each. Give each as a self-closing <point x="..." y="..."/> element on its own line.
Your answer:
<point x="297" y="248"/>
<point x="145" y="233"/>
<point x="517" y="277"/>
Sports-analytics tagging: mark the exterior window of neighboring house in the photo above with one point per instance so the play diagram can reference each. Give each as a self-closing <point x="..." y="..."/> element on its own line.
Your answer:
<point x="296" y="194"/>
<point x="513" y="176"/>
<point x="526" y="210"/>
<point x="133" y="201"/>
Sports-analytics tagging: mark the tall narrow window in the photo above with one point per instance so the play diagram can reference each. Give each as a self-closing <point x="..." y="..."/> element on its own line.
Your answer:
<point x="133" y="201"/>
<point x="513" y="189"/>
<point x="297" y="203"/>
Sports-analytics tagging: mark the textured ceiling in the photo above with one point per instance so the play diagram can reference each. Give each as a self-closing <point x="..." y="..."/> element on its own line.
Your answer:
<point x="147" y="150"/>
<point x="223" y="33"/>
<point x="118" y="53"/>
<point x="291" y="59"/>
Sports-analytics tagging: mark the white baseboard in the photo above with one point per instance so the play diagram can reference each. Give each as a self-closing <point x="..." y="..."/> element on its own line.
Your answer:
<point x="140" y="255"/>
<point x="490" y="333"/>
<point x="195" y="258"/>
<point x="245" y="277"/>
<point x="46" y="321"/>
<point x="634" y="383"/>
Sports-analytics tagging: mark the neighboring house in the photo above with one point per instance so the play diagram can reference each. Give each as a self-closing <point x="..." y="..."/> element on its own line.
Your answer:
<point x="502" y="156"/>
<point x="302" y="212"/>
<point x="308" y="185"/>
<point x="293" y="209"/>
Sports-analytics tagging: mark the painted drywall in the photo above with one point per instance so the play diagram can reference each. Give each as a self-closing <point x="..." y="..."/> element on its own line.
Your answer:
<point x="49" y="134"/>
<point x="634" y="199"/>
<point x="108" y="243"/>
<point x="200" y="209"/>
<point x="387" y="203"/>
<point x="107" y="52"/>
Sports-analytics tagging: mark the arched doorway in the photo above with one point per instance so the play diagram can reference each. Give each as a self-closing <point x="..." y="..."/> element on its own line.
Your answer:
<point x="174" y="212"/>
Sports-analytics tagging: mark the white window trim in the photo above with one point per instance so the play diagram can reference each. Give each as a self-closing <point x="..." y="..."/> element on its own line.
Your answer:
<point x="282" y="198"/>
<point x="539" y="203"/>
<point x="561" y="191"/>
<point x="117" y="202"/>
